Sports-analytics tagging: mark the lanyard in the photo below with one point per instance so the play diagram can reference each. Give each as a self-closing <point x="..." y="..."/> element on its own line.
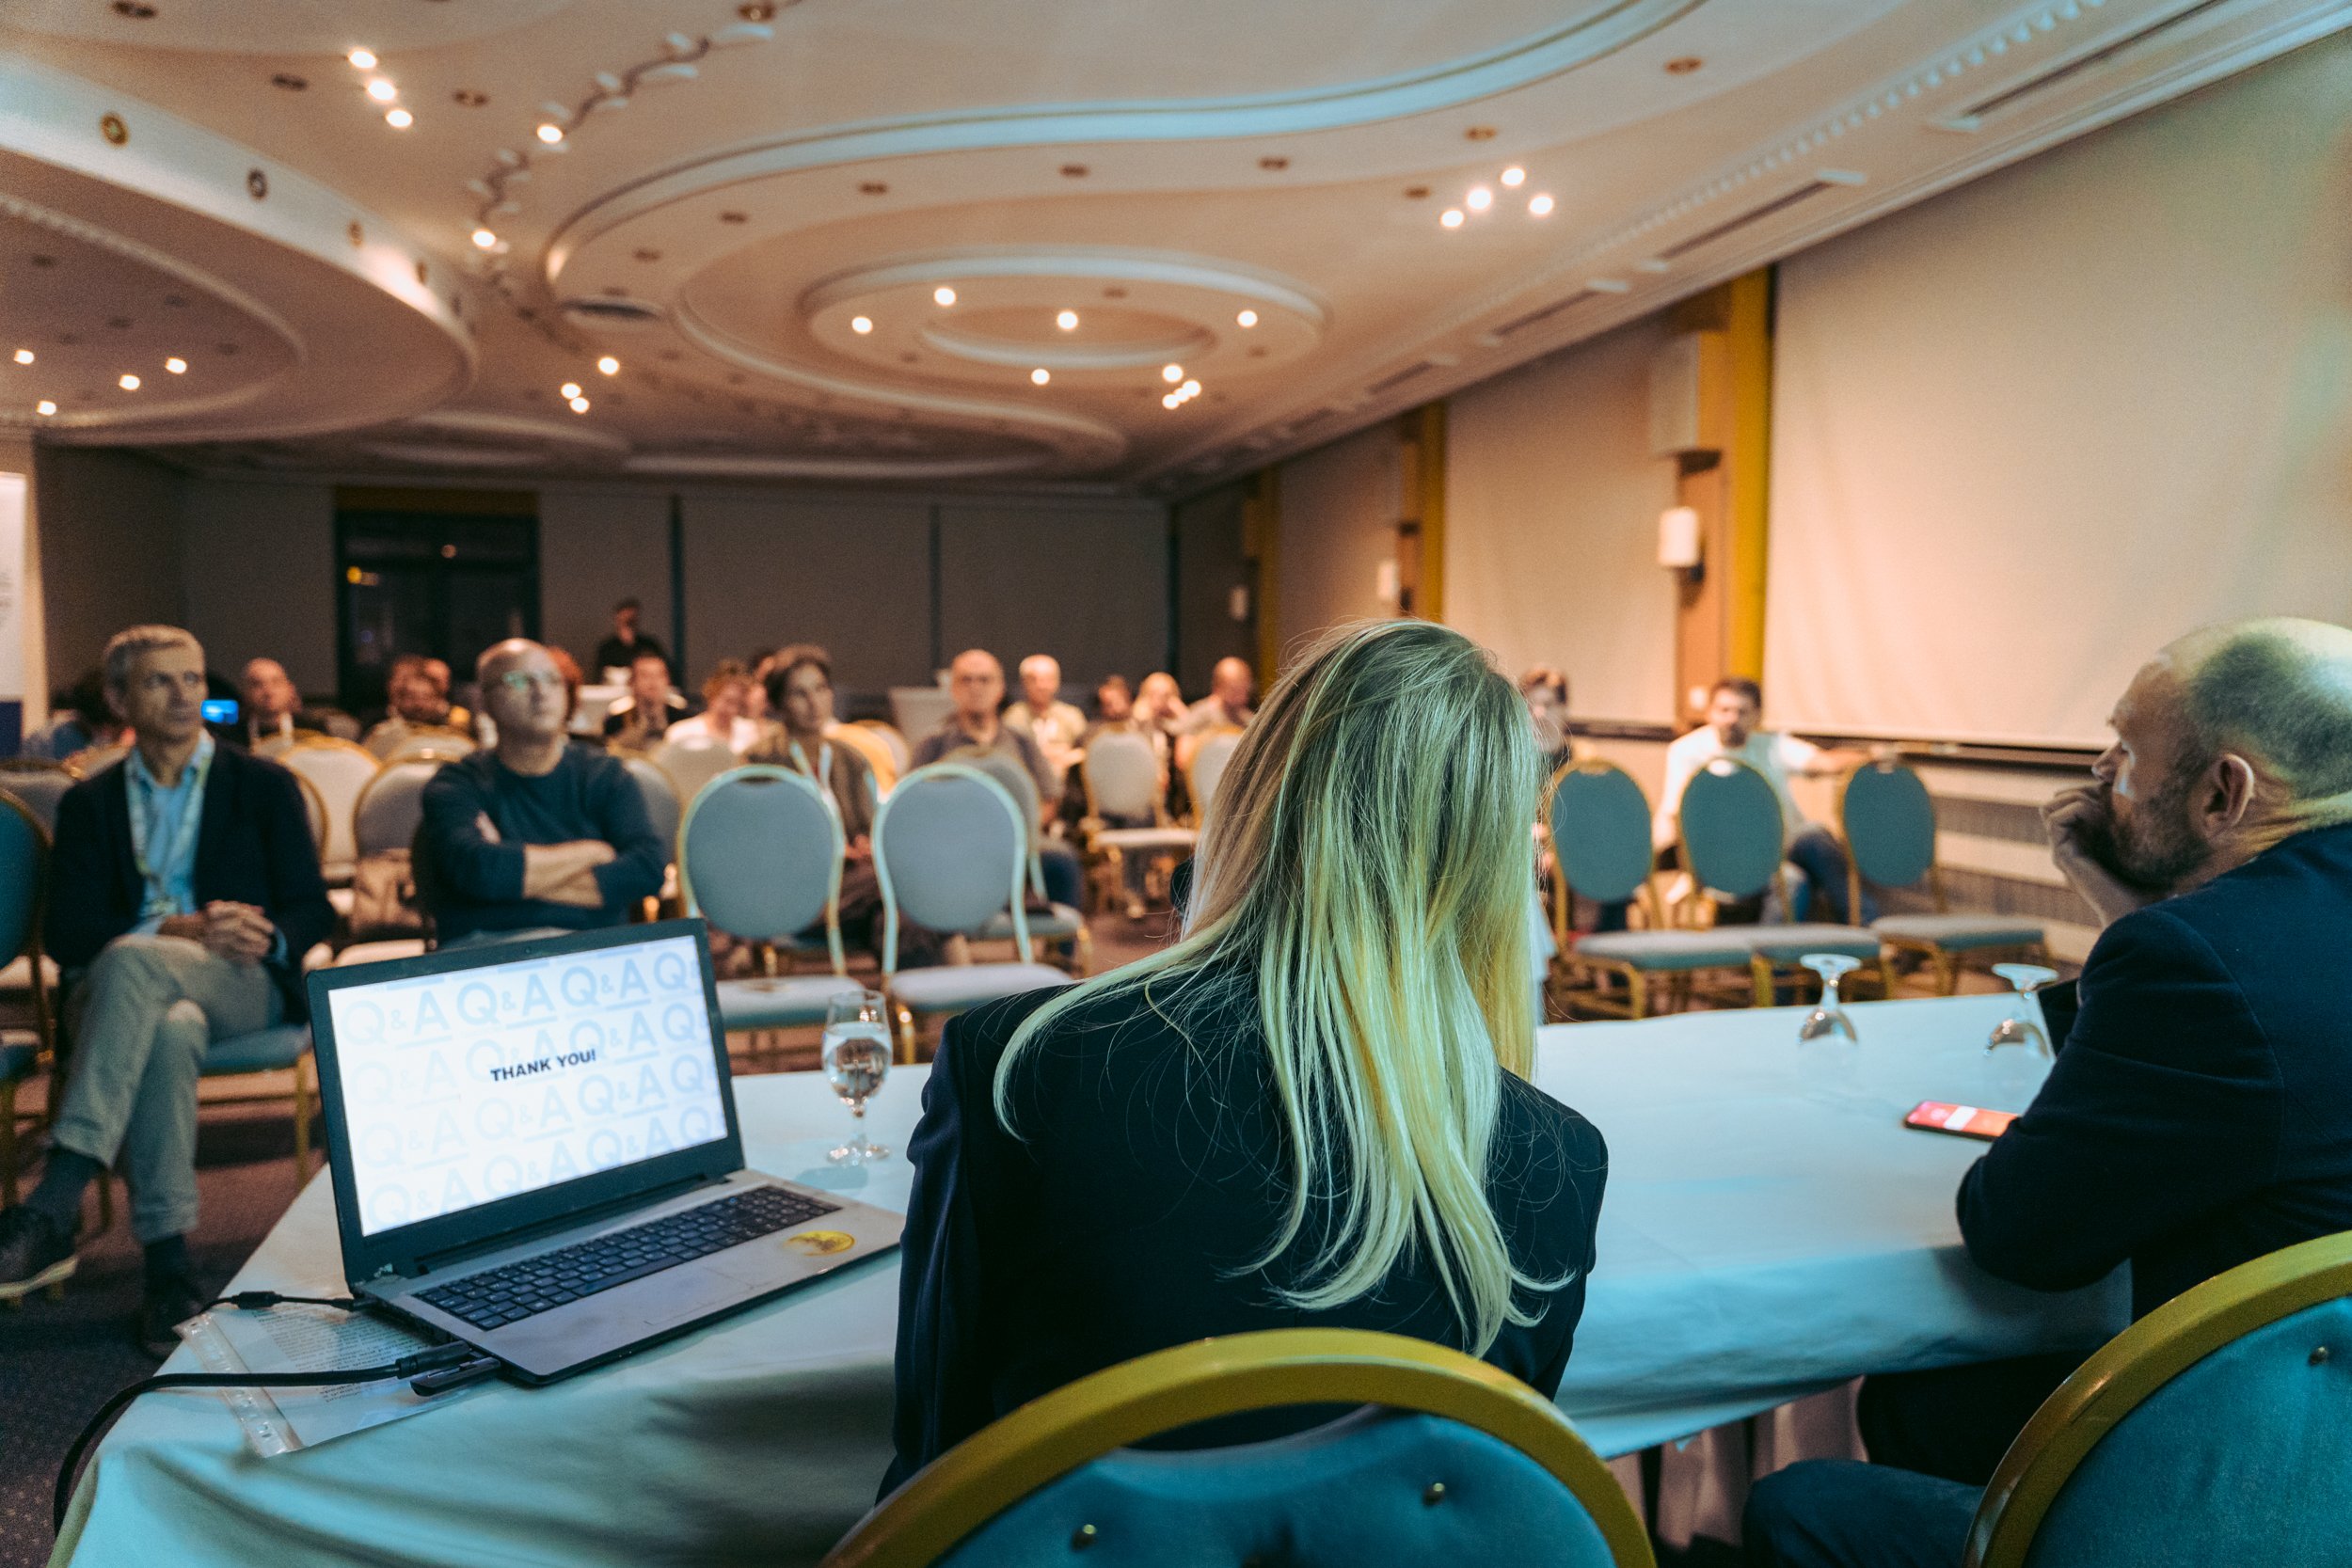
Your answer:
<point x="158" y="900"/>
<point x="824" y="763"/>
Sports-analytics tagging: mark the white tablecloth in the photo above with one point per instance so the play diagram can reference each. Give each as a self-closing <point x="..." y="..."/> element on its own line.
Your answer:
<point x="1768" y="1231"/>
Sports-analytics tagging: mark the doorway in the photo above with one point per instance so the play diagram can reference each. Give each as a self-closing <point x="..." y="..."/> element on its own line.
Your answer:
<point x="440" y="583"/>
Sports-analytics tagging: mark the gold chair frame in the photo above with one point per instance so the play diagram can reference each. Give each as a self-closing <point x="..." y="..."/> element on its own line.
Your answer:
<point x="44" y="1028"/>
<point x="1112" y="1409"/>
<point x="1566" y="960"/>
<point x="2131" y="1366"/>
<point x="1947" y="963"/>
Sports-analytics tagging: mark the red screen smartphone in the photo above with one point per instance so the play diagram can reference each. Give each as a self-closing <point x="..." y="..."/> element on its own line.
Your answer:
<point x="1961" y="1122"/>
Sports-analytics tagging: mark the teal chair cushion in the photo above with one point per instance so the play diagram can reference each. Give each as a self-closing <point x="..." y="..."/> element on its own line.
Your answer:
<point x="1716" y="949"/>
<point x="1600" y="833"/>
<point x="1960" y="931"/>
<point x="1890" y="825"/>
<point x="1787" y="943"/>
<point x="2245" y="1457"/>
<point x="1061" y="924"/>
<point x="263" y="1050"/>
<point x="16" y="1061"/>
<point x="952" y="988"/>
<point x="1354" y="1494"/>
<point x="780" y="1001"/>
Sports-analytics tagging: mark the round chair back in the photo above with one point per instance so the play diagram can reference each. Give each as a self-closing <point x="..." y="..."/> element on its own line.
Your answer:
<point x="1122" y="775"/>
<point x="40" y="789"/>
<point x="1889" y="824"/>
<point x="1208" y="769"/>
<point x="429" y="741"/>
<point x="90" y="761"/>
<point x="24" y="865"/>
<point x="693" y="761"/>
<point x="662" y="799"/>
<point x="391" y="807"/>
<point x="1600" y="832"/>
<point x="1732" y="831"/>
<point x="339" y="771"/>
<point x="948" y="851"/>
<point x="759" y="855"/>
<point x="880" y="760"/>
<point x="901" y="756"/>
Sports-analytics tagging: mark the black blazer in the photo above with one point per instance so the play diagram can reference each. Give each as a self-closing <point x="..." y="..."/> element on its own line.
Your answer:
<point x="1149" y="1175"/>
<point x="2199" y="1112"/>
<point x="253" y="847"/>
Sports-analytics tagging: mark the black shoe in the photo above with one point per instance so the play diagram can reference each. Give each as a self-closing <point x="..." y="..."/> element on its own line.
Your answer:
<point x="169" y="1304"/>
<point x="33" y="1252"/>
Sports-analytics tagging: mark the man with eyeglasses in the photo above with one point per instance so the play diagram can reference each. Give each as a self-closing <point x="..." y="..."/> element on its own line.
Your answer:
<point x="183" y="891"/>
<point x="533" y="835"/>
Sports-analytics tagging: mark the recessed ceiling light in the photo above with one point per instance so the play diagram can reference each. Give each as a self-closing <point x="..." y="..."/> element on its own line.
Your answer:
<point x="399" y="119"/>
<point x="468" y="98"/>
<point x="1479" y="199"/>
<point x="484" y="240"/>
<point x="1190" y="389"/>
<point x="1515" y="176"/>
<point x="25" y="356"/>
<point x="1539" y="204"/>
<point x="1480" y="132"/>
<point x="1416" y="192"/>
<point x="1246" y="320"/>
<point x="579" y="405"/>
<point x="361" y="60"/>
<point x="44" y="409"/>
<point x="127" y="381"/>
<point x="1171" y="373"/>
<point x="1450" y="217"/>
<point x="1040" y="376"/>
<point x="176" y="365"/>
<point x="551" y="133"/>
<point x="289" y="81"/>
<point x="381" y="89"/>
<point x="569" y="390"/>
<point x="609" y="366"/>
<point x="735" y="217"/>
<point x="873" y="187"/>
<point x="1067" y="321"/>
<point x="860" y="325"/>
<point x="756" y="10"/>
<point x="1682" y="65"/>
<point x="944" y="294"/>
<point x="137" y="10"/>
<point x="1276" y="165"/>
<point x="1171" y="401"/>
<point x="1075" y="171"/>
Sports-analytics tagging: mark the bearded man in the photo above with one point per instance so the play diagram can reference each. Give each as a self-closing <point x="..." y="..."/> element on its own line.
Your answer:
<point x="2199" y="1110"/>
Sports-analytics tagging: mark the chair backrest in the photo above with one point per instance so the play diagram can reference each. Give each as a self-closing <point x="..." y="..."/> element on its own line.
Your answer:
<point x="391" y="807"/>
<point x="275" y="747"/>
<point x="662" y="808"/>
<point x="1122" y="775"/>
<point x="1732" y="830"/>
<point x="1455" y="1461"/>
<point x="1888" y="823"/>
<point x="693" y="761"/>
<point x="339" y="771"/>
<point x="1600" y="832"/>
<point x="90" y="761"/>
<point x="880" y="760"/>
<point x="23" y="878"/>
<point x="1209" y="762"/>
<point x="949" y="852"/>
<point x="902" y="755"/>
<point x="40" y="787"/>
<point x="759" y="855"/>
<point x="2211" y="1431"/>
<point x="314" y="813"/>
<point x="433" y="741"/>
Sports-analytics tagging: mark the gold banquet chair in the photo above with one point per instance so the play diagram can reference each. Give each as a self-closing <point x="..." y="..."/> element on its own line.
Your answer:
<point x="1887" y="820"/>
<point x="1449" y="1460"/>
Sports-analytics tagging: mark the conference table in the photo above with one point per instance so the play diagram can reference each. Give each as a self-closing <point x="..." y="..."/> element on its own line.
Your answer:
<point x="1770" y="1230"/>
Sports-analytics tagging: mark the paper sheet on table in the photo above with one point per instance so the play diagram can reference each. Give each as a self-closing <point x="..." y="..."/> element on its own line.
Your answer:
<point x="310" y="1340"/>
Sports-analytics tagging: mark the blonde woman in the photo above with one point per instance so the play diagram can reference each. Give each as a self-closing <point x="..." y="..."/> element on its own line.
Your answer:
<point x="1311" y="1110"/>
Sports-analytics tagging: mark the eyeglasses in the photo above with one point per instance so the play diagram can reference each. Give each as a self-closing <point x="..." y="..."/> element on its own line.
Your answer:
<point x="524" y="680"/>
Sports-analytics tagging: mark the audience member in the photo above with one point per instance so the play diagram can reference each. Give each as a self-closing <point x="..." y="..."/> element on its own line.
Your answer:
<point x="1734" y="705"/>
<point x="271" y="708"/>
<point x="1262" y="1165"/>
<point x="622" y="650"/>
<point x="725" y="715"/>
<point x="800" y="689"/>
<point x="416" y="689"/>
<point x="1042" y="714"/>
<point x="533" y="835"/>
<point x="1545" y="691"/>
<point x="638" y="722"/>
<point x="183" y="891"/>
<point x="2199" y="1110"/>
<point x="79" y="722"/>
<point x="755" y="705"/>
<point x="1160" y="708"/>
<point x="976" y="683"/>
<point x="1226" y="707"/>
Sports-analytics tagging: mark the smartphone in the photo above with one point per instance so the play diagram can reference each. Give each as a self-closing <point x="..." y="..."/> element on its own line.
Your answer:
<point x="1961" y="1121"/>
<point x="220" y="710"/>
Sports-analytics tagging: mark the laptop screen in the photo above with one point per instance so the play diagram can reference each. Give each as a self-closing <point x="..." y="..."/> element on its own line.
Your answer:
<point x="463" y="1088"/>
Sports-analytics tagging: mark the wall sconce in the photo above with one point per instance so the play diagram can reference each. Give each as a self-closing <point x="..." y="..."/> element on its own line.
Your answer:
<point x="1679" y="539"/>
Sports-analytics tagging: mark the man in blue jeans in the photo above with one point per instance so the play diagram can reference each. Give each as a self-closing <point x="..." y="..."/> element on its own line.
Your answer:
<point x="2199" y="1112"/>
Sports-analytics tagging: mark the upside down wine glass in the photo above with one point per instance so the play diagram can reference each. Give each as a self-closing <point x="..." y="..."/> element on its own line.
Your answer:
<point x="856" y="1052"/>
<point x="2017" y="1048"/>
<point x="1826" y="1038"/>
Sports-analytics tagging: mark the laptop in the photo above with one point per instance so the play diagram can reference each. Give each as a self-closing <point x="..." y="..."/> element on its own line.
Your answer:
<point x="535" y="1150"/>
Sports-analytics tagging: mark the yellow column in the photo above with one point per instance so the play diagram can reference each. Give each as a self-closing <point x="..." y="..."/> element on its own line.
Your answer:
<point x="1425" y="427"/>
<point x="1747" y="458"/>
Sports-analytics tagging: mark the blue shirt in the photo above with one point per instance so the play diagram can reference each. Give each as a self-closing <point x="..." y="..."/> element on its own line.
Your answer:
<point x="169" y="821"/>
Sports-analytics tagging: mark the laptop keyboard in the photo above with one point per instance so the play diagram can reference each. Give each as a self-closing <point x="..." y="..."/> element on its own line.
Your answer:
<point x="499" y="1296"/>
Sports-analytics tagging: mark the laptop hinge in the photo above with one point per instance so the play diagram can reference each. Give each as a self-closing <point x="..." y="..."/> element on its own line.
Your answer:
<point x="427" y="1262"/>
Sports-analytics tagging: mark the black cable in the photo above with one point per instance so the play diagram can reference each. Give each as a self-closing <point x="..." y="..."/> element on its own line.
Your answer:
<point x="407" y="1366"/>
<point x="254" y="1300"/>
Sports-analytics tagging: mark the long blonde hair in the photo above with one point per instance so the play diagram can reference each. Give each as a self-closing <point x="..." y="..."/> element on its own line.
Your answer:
<point x="1370" y="859"/>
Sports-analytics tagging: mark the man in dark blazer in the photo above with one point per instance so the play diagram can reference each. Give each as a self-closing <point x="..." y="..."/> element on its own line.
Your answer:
<point x="184" y="891"/>
<point x="2199" y="1110"/>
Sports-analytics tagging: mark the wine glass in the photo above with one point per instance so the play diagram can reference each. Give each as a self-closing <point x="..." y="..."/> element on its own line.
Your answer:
<point x="1828" y="1021"/>
<point x="856" y="1052"/>
<point x="2011" y="1072"/>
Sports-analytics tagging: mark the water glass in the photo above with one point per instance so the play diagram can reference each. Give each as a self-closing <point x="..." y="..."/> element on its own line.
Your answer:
<point x="856" y="1054"/>
<point x="1827" y="1037"/>
<point x="2017" y="1052"/>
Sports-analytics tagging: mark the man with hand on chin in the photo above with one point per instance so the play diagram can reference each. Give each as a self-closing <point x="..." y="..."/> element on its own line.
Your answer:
<point x="534" y="836"/>
<point x="2199" y="1110"/>
<point x="184" y="891"/>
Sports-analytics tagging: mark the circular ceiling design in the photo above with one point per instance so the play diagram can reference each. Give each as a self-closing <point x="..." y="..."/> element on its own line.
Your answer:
<point x="278" y="27"/>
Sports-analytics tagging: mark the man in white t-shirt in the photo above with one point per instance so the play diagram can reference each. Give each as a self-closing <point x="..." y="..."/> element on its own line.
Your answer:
<point x="1733" y="707"/>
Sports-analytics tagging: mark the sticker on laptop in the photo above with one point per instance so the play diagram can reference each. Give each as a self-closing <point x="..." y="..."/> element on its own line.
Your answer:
<point x="818" y="1242"/>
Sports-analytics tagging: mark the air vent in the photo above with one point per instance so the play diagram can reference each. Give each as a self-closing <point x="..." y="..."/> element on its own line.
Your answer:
<point x="1399" y="379"/>
<point x="2008" y="98"/>
<point x="1754" y="215"/>
<point x="1305" y="419"/>
<point x="610" y="311"/>
<point x="1542" y="312"/>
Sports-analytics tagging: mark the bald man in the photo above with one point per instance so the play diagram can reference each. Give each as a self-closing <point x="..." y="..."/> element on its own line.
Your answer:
<point x="534" y="836"/>
<point x="272" y="705"/>
<point x="2199" y="1112"/>
<point x="1232" y="689"/>
<point x="975" y="683"/>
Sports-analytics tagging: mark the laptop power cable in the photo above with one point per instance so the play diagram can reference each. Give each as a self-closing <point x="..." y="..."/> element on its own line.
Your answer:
<point x="431" y="1372"/>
